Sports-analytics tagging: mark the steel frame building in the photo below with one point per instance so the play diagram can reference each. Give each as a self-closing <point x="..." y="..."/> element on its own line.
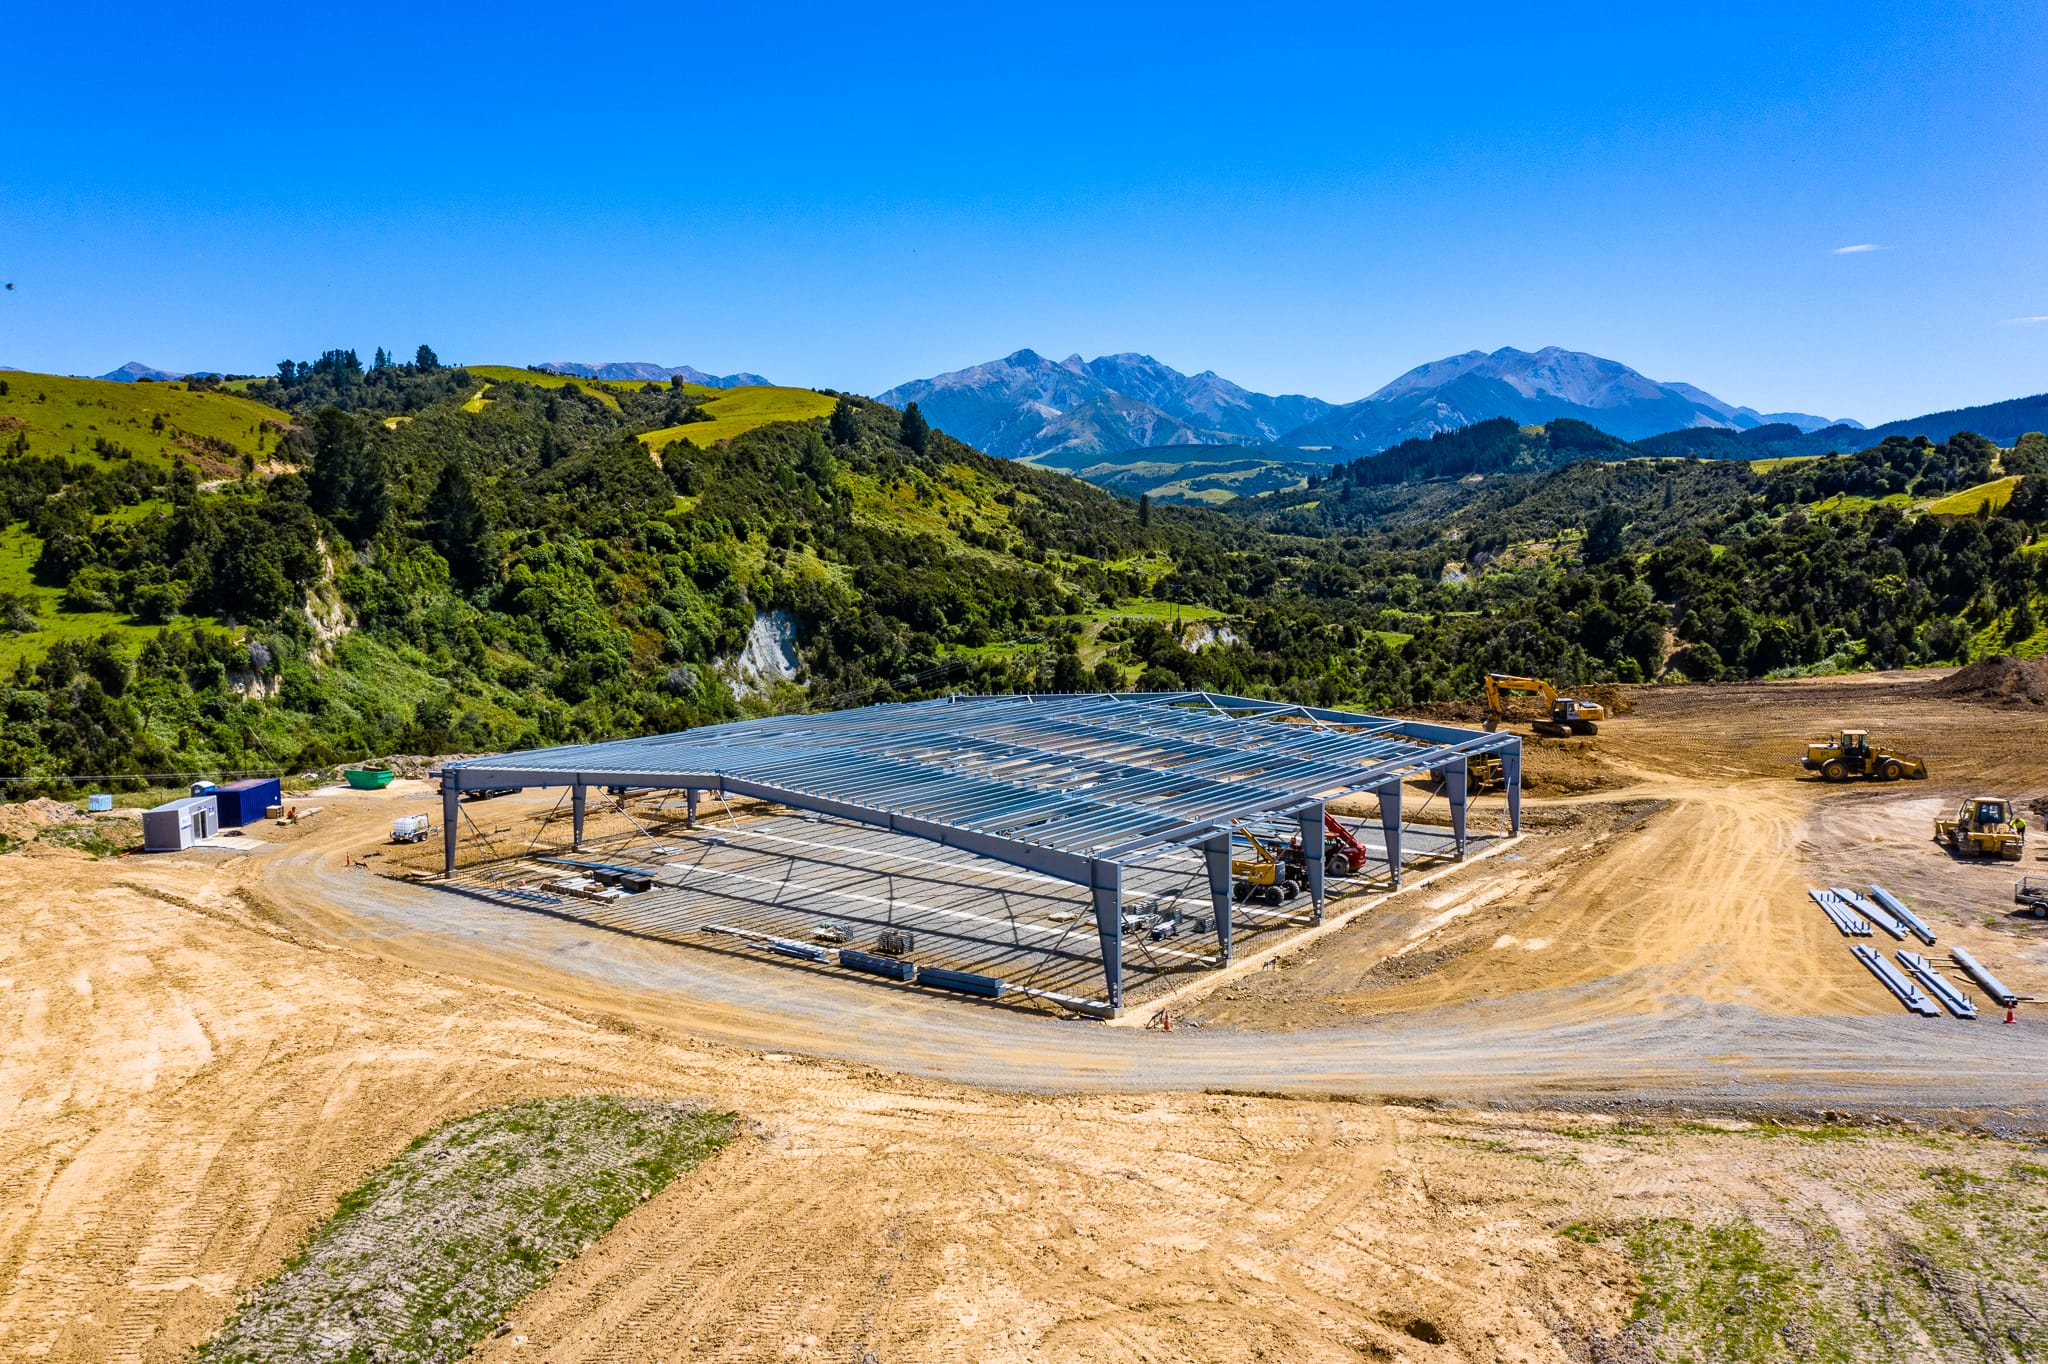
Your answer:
<point x="1071" y="786"/>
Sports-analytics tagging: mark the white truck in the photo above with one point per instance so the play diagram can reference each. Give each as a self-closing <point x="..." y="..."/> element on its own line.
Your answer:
<point x="411" y="828"/>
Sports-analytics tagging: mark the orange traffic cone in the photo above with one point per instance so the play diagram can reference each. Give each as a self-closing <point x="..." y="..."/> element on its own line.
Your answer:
<point x="2009" y="1014"/>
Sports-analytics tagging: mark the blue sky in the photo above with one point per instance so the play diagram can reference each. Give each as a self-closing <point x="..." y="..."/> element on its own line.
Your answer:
<point x="1306" y="199"/>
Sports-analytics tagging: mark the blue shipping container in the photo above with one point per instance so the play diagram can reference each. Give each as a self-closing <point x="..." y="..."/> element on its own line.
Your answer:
<point x="243" y="802"/>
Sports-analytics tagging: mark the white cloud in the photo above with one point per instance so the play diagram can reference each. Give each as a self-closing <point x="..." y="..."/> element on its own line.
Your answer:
<point x="2025" y="321"/>
<point x="1858" y="249"/>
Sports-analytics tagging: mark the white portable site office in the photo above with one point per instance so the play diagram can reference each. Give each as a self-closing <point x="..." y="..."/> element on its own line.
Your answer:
<point x="180" y="823"/>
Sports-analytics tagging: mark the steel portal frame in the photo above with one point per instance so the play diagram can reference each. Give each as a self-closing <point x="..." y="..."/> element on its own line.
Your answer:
<point x="1072" y="786"/>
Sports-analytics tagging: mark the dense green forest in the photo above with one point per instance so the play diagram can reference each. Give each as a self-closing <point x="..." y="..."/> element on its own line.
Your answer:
<point x="403" y="560"/>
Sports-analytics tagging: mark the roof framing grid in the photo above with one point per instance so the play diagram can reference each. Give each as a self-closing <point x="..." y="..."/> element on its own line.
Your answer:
<point x="1071" y="786"/>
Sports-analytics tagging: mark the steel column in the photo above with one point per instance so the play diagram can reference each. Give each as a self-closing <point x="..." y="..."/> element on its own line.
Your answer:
<point x="1216" y="853"/>
<point x="1455" y="777"/>
<point x="1312" y="850"/>
<point x="1390" y="826"/>
<point x="690" y="799"/>
<point x="1511" y="773"/>
<point x="1107" y="884"/>
<point x="578" y="795"/>
<point x="451" y="816"/>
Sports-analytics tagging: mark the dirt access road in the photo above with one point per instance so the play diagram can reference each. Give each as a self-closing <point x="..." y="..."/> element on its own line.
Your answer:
<point x="1652" y="937"/>
<point x="202" y="1052"/>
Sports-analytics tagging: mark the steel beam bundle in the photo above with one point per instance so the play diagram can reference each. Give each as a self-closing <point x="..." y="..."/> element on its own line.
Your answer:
<point x="1869" y="911"/>
<point x="1908" y="994"/>
<point x="1951" y="998"/>
<point x="1988" y="983"/>
<point x="1898" y="909"/>
<point x="788" y="947"/>
<point x="1839" y="913"/>
<point x="1075" y="787"/>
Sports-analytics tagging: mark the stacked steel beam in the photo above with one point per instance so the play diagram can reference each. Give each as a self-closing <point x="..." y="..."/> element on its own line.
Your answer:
<point x="1839" y="913"/>
<point x="1951" y="998"/>
<point x="1898" y="909"/>
<point x="1888" y="975"/>
<point x="1870" y="911"/>
<point x="1988" y="983"/>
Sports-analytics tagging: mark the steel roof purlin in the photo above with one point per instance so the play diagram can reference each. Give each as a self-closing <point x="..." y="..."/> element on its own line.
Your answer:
<point x="1073" y="786"/>
<point x="1057" y="783"/>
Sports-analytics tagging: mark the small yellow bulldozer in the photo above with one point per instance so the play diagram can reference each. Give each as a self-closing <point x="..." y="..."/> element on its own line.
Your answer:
<point x="1567" y="716"/>
<point x="1851" y="754"/>
<point x="1984" y="826"/>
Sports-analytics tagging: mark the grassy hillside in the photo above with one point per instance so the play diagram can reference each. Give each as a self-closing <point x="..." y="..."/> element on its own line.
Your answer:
<point x="601" y="389"/>
<point x="1200" y="475"/>
<point x="742" y="409"/>
<point x="515" y="572"/>
<point x="97" y="419"/>
<point x="1970" y="501"/>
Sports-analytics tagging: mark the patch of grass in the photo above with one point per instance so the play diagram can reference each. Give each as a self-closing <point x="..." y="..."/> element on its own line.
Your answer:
<point x="1764" y="466"/>
<point x="156" y="422"/>
<point x="1719" y="1293"/>
<point x="1856" y="502"/>
<point x="100" y="837"/>
<point x="1969" y="501"/>
<point x="18" y="552"/>
<point x="423" y="1259"/>
<point x="513" y="374"/>
<point x="140" y="511"/>
<point x="1496" y="1147"/>
<point x="742" y="409"/>
<point x="1957" y="1275"/>
<point x="1144" y="608"/>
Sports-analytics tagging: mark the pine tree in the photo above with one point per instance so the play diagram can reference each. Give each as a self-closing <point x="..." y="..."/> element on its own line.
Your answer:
<point x="346" y="480"/>
<point x="424" y="359"/>
<point x="1603" y="535"/>
<point x="458" y="526"/>
<point x="845" y="424"/>
<point x="916" y="432"/>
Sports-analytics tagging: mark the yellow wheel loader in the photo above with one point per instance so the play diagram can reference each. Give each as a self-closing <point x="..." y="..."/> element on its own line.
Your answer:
<point x="1851" y="754"/>
<point x="1984" y="826"/>
<point x="1567" y="716"/>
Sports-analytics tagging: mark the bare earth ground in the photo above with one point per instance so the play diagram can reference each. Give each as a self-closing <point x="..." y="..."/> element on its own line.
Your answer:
<point x="200" y="1053"/>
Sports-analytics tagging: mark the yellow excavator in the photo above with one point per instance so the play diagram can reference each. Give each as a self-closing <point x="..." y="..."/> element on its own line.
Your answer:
<point x="1567" y="715"/>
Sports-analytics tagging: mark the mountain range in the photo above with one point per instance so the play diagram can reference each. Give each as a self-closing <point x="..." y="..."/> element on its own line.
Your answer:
<point x="135" y="370"/>
<point x="1028" y="407"/>
<point x="642" y="369"/>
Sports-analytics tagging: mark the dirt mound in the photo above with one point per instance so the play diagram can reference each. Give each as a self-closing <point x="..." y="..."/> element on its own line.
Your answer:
<point x="27" y="818"/>
<point x="2003" y="678"/>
